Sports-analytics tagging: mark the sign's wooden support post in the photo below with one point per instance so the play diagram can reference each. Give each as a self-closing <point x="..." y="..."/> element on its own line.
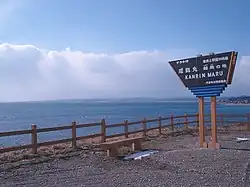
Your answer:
<point x="214" y="143"/>
<point x="201" y="121"/>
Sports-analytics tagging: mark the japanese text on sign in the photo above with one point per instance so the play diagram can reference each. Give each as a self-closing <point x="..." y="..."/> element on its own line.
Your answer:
<point x="217" y="59"/>
<point x="205" y="70"/>
<point x="206" y="67"/>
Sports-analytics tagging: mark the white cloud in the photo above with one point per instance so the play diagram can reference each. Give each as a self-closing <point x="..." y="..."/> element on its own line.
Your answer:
<point x="30" y="73"/>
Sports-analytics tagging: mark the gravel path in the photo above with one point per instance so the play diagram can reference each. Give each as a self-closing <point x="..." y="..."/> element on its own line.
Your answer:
<point x="184" y="166"/>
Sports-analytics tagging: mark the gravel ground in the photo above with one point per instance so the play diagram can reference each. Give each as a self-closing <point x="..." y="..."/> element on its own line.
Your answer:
<point x="179" y="163"/>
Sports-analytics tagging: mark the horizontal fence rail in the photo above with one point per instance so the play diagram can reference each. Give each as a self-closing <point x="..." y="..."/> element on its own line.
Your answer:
<point x="143" y="126"/>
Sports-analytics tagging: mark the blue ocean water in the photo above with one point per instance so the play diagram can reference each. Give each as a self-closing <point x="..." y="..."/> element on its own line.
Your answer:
<point x="20" y="116"/>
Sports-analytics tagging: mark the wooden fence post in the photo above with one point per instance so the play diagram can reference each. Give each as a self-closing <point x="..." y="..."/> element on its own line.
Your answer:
<point x="159" y="124"/>
<point x="126" y="128"/>
<point x="144" y="127"/>
<point x="34" y="139"/>
<point x="172" y="122"/>
<point x="221" y="120"/>
<point x="74" y="135"/>
<point x="248" y="120"/>
<point x="197" y="119"/>
<point x="186" y="122"/>
<point x="103" y="128"/>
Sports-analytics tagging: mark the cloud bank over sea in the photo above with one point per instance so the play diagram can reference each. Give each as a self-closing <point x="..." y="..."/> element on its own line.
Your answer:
<point x="30" y="73"/>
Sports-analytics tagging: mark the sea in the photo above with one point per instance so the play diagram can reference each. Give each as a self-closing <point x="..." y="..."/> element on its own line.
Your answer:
<point x="21" y="115"/>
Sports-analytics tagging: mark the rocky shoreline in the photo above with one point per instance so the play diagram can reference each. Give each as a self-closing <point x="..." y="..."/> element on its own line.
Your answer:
<point x="225" y="102"/>
<point x="242" y="100"/>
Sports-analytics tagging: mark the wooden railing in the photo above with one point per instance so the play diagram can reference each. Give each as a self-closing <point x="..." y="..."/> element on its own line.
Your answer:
<point x="161" y="122"/>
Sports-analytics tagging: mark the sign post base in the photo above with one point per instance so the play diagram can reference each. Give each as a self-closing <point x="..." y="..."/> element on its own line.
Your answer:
<point x="211" y="145"/>
<point x="205" y="145"/>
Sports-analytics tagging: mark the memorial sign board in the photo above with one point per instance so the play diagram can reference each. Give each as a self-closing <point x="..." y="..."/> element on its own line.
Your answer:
<point x="206" y="70"/>
<point x="206" y="76"/>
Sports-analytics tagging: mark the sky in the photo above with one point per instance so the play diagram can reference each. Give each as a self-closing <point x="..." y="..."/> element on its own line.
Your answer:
<point x="114" y="48"/>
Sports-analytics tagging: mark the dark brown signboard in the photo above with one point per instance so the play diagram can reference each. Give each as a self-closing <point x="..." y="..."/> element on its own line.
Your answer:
<point x="206" y="70"/>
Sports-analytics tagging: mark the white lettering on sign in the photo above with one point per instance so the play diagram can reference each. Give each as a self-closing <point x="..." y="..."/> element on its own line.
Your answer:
<point x="215" y="74"/>
<point x="187" y="70"/>
<point x="204" y="75"/>
<point x="205" y="67"/>
<point x="211" y="66"/>
<point x="182" y="61"/>
<point x="218" y="66"/>
<point x="216" y="59"/>
<point x="180" y="71"/>
<point x="195" y="76"/>
<point x="216" y="82"/>
<point x="195" y="69"/>
<point x="224" y="66"/>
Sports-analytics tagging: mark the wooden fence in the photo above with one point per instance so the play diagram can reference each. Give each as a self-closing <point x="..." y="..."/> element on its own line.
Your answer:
<point x="160" y="123"/>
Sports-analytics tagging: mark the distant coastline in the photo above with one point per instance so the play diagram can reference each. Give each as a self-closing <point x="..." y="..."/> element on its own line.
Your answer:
<point x="241" y="100"/>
